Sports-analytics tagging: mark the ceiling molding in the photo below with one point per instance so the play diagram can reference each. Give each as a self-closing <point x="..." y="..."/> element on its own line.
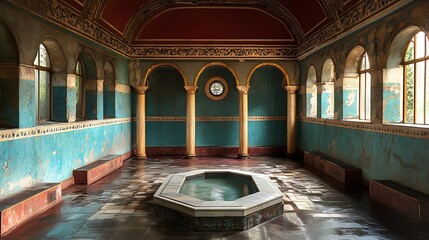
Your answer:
<point x="93" y="9"/>
<point x="272" y="7"/>
<point x="61" y="14"/>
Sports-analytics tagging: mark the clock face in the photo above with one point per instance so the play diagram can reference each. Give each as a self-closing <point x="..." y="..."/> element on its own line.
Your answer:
<point x="216" y="88"/>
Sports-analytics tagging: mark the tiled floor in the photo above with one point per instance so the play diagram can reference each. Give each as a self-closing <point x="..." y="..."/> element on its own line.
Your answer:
<point x="120" y="207"/>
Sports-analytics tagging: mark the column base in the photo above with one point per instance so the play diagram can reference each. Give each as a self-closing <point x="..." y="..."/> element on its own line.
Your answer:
<point x="140" y="157"/>
<point x="242" y="156"/>
<point x="190" y="157"/>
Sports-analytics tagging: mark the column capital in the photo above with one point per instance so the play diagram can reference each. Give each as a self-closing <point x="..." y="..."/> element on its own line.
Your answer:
<point x="191" y="89"/>
<point x="243" y="89"/>
<point x="141" y="89"/>
<point x="291" y="89"/>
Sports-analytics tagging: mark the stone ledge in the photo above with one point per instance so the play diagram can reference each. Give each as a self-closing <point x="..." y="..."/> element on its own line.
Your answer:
<point x="96" y="170"/>
<point x="340" y="171"/>
<point x="21" y="207"/>
<point x="406" y="201"/>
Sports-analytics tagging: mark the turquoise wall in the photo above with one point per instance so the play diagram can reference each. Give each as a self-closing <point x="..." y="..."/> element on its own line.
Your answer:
<point x="267" y="97"/>
<point x="220" y="132"/>
<point x="166" y="97"/>
<point x="52" y="158"/>
<point x="379" y="155"/>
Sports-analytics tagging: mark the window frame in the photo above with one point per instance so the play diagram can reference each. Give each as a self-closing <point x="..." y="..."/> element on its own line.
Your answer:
<point x="414" y="61"/>
<point x="38" y="69"/>
<point x="363" y="94"/>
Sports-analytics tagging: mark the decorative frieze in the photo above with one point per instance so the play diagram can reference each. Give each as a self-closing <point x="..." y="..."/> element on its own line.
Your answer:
<point x="213" y="52"/>
<point x="395" y="129"/>
<point x="64" y="15"/>
<point x="56" y="128"/>
<point x="356" y="15"/>
<point x="216" y="119"/>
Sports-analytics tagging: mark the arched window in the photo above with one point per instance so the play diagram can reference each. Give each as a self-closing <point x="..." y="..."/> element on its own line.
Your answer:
<point x="327" y="98"/>
<point x="79" y="91"/>
<point x="364" y="88"/>
<point x="416" y="80"/>
<point x="42" y="80"/>
<point x="311" y="95"/>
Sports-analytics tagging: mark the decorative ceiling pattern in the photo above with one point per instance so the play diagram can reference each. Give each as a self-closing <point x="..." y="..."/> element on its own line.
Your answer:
<point x="208" y="28"/>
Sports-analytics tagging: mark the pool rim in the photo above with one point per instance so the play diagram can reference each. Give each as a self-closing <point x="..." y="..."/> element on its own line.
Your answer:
<point x="168" y="196"/>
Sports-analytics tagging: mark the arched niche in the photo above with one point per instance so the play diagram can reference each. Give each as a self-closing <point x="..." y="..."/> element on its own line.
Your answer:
<point x="311" y="92"/>
<point x="9" y="79"/>
<point x="286" y="81"/>
<point x="165" y="106"/>
<point x="109" y="93"/>
<point x="92" y="102"/>
<point x="267" y="106"/>
<point x="327" y="100"/>
<point x="58" y="68"/>
<point x="216" y="119"/>
<point x="351" y="91"/>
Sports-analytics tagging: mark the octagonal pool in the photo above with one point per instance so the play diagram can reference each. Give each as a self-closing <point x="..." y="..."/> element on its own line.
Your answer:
<point x="218" y="200"/>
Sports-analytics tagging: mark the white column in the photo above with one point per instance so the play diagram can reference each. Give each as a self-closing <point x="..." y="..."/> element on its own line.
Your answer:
<point x="190" y="121"/>
<point x="141" y="122"/>
<point x="291" y="119"/>
<point x="243" y="111"/>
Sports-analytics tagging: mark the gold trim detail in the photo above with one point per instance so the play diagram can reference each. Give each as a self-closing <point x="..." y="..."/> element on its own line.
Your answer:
<point x="285" y="74"/>
<point x="157" y="65"/>
<point x="215" y="119"/>
<point x="208" y="91"/>
<point x="197" y="77"/>
<point x="56" y="128"/>
<point x="213" y="52"/>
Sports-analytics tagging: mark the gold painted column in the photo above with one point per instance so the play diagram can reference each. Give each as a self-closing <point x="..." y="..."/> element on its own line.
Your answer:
<point x="190" y="121"/>
<point x="243" y="111"/>
<point x="291" y="119"/>
<point x="141" y="122"/>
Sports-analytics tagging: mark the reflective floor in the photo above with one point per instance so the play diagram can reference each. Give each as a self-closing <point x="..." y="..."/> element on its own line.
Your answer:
<point x="119" y="206"/>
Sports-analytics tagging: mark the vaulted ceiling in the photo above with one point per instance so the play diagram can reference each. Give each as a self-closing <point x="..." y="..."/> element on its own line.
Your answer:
<point x="212" y="22"/>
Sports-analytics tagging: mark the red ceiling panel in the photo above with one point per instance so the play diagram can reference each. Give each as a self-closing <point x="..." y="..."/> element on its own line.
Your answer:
<point x="116" y="14"/>
<point x="214" y="25"/>
<point x="309" y="13"/>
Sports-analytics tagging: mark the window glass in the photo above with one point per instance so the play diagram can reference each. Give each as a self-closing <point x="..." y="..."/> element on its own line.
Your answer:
<point x="42" y="84"/>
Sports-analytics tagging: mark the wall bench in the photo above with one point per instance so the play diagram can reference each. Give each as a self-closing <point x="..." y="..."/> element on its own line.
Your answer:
<point x="405" y="200"/>
<point x="94" y="171"/>
<point x="23" y="206"/>
<point x="338" y="170"/>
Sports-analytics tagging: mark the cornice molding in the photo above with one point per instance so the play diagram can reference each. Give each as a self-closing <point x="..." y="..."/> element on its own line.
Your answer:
<point x="61" y="14"/>
<point x="351" y="18"/>
<point x="56" y="128"/>
<point x="395" y="129"/>
<point x="213" y="52"/>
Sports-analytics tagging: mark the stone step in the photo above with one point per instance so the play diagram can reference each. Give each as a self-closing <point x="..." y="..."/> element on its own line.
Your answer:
<point x="21" y="207"/>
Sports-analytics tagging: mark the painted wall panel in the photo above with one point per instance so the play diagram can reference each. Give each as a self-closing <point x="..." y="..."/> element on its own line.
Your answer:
<point x="219" y="132"/>
<point x="27" y="104"/>
<point x="267" y="98"/>
<point x="52" y="158"/>
<point x="9" y="102"/>
<point x="165" y="97"/>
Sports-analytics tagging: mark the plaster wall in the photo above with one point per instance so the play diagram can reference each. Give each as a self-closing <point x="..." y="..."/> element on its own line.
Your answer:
<point x="32" y="152"/>
<point x="383" y="151"/>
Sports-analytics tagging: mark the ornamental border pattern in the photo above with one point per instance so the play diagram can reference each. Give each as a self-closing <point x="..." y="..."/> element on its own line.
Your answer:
<point x="394" y="129"/>
<point x="358" y="14"/>
<point x="55" y="128"/>
<point x="64" y="15"/>
<point x="215" y="118"/>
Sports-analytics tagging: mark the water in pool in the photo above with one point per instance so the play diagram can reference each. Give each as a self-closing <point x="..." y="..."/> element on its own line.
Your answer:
<point x="222" y="188"/>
